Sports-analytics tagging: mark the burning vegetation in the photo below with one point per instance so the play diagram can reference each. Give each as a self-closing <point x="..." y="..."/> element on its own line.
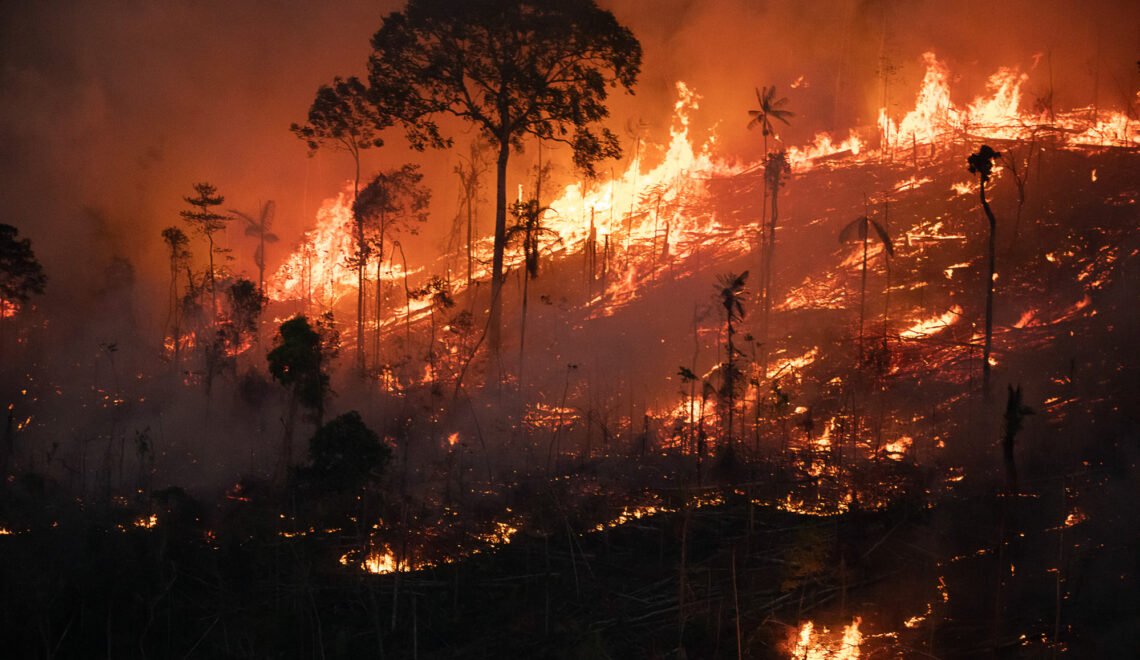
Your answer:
<point x="860" y="395"/>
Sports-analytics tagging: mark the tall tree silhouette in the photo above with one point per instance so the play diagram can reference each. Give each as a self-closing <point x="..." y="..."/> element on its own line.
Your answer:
<point x="470" y="171"/>
<point x="203" y="217"/>
<point x="21" y="275"/>
<point x="982" y="163"/>
<point x="859" y="229"/>
<point x="769" y="108"/>
<point x="299" y="361"/>
<point x="259" y="228"/>
<point x="176" y="242"/>
<point x="529" y="231"/>
<point x="730" y="295"/>
<point x="776" y="167"/>
<point x="1012" y="421"/>
<point x="512" y="68"/>
<point x="394" y="200"/>
<point x="343" y="118"/>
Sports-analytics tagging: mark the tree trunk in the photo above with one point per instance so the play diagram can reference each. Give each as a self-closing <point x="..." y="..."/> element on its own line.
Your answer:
<point x="863" y="289"/>
<point x="992" y="262"/>
<point x="213" y="289"/>
<point x="768" y="271"/>
<point x="496" y="331"/>
<point x="360" y="252"/>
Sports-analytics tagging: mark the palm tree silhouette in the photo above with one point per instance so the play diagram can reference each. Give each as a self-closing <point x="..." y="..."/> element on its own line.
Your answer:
<point x="730" y="294"/>
<point x="982" y="164"/>
<point x="260" y="229"/>
<point x="770" y="108"/>
<point x="859" y="229"/>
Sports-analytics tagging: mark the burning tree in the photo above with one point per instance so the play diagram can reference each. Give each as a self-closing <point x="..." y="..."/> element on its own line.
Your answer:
<point x="982" y="164"/>
<point x="207" y="222"/>
<point x="342" y="117"/>
<point x="21" y="276"/>
<point x="537" y="67"/>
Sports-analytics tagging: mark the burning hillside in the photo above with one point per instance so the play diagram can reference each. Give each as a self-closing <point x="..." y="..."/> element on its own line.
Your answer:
<point x="531" y="384"/>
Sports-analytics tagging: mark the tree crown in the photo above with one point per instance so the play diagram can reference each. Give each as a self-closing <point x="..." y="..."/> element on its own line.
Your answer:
<point x="511" y="67"/>
<point x="21" y="275"/>
<point x="341" y="116"/>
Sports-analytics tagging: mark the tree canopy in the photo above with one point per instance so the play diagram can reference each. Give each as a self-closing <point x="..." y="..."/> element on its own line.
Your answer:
<point x="21" y="275"/>
<point x="342" y="117"/>
<point x="346" y="454"/>
<point x="298" y="361"/>
<point x="513" y="68"/>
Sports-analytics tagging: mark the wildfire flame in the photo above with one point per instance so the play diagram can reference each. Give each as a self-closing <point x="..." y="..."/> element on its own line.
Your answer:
<point x="812" y="645"/>
<point x="646" y="215"/>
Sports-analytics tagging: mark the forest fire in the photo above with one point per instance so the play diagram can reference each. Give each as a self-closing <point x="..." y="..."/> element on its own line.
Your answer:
<point x="813" y="645"/>
<point x="481" y="334"/>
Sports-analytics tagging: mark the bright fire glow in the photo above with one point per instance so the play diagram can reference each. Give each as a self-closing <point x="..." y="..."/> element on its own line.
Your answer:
<point x="934" y="325"/>
<point x="812" y="645"/>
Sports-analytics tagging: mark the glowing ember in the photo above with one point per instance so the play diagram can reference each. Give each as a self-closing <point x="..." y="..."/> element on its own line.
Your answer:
<point x="148" y="522"/>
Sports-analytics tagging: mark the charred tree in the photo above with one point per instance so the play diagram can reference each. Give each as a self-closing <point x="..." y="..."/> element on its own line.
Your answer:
<point x="860" y="229"/>
<point x="982" y="163"/>
<point x="730" y="295"/>
<point x="1013" y="420"/>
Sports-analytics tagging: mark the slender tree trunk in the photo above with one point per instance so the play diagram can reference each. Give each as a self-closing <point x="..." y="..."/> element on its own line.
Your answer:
<point x="261" y="247"/>
<point x="174" y="309"/>
<point x="764" y="259"/>
<point x="765" y="324"/>
<point x="213" y="289"/>
<point x="496" y="331"/>
<point x="360" y="261"/>
<point x="471" y="201"/>
<point x="863" y="289"/>
<point x="730" y="375"/>
<point x="992" y="267"/>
